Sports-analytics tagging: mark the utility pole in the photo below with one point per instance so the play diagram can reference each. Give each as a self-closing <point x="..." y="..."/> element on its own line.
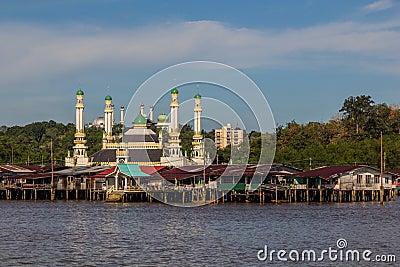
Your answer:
<point x="381" y="189"/>
<point x="384" y="161"/>
<point x="204" y="162"/>
<point x="52" y="190"/>
<point x="29" y="151"/>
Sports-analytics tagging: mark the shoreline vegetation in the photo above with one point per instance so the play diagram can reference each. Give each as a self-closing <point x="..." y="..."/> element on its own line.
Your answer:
<point x="349" y="138"/>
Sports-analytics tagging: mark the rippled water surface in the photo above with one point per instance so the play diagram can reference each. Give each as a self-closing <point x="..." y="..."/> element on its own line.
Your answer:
<point x="102" y="234"/>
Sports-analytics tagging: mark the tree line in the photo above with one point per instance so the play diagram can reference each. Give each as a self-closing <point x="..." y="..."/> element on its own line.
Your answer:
<point x="32" y="144"/>
<point x="352" y="137"/>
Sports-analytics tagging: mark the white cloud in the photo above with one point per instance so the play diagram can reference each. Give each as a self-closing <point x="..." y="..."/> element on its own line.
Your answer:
<point x="29" y="51"/>
<point x="379" y="5"/>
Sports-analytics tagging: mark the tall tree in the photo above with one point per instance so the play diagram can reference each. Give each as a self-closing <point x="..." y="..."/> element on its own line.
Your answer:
<point x="379" y="120"/>
<point x="356" y="111"/>
<point x="186" y="136"/>
<point x="394" y="118"/>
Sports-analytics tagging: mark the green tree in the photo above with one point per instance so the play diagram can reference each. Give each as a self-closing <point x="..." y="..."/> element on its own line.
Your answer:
<point x="186" y="136"/>
<point x="357" y="111"/>
<point x="94" y="137"/>
<point x="379" y="120"/>
<point x="223" y="155"/>
<point x="117" y="129"/>
<point x="394" y="119"/>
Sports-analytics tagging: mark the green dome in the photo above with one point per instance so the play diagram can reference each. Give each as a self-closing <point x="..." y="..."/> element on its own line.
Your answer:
<point x="108" y="98"/>
<point x="140" y="120"/>
<point x="79" y="92"/>
<point x="162" y="118"/>
<point x="174" y="91"/>
<point x="197" y="96"/>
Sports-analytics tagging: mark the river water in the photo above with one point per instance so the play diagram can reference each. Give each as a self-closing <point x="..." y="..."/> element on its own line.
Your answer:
<point x="103" y="234"/>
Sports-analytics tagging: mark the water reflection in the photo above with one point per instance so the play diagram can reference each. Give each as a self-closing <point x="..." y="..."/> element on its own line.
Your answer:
<point x="94" y="233"/>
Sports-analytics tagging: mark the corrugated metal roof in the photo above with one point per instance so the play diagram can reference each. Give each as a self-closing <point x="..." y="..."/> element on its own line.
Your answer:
<point x="30" y="176"/>
<point x="185" y="172"/>
<point x="328" y="172"/>
<point x="82" y="170"/>
<point x="9" y="168"/>
<point x="396" y="172"/>
<point x="225" y="170"/>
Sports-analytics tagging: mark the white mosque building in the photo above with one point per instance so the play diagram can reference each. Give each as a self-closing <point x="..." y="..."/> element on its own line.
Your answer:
<point x="139" y="144"/>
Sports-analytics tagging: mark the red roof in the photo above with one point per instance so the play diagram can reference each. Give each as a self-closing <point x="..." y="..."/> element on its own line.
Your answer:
<point x="328" y="172"/>
<point x="185" y="172"/>
<point x="152" y="169"/>
<point x="280" y="173"/>
<point x="218" y="170"/>
<point x="9" y="168"/>
<point x="104" y="173"/>
<point x="397" y="172"/>
<point x="30" y="176"/>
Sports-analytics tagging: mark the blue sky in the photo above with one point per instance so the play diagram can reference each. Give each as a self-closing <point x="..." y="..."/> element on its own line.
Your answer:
<point x="306" y="56"/>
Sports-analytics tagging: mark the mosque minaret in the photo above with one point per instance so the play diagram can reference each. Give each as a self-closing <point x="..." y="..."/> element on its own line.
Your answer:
<point x="197" y="144"/>
<point x="139" y="144"/>
<point x="174" y="156"/>
<point x="174" y="127"/>
<point x="174" y="141"/>
<point x="112" y="114"/>
<point x="108" y="121"/>
<point x="151" y="113"/>
<point x="122" y="114"/>
<point x="142" y="110"/>
<point x="80" y="157"/>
